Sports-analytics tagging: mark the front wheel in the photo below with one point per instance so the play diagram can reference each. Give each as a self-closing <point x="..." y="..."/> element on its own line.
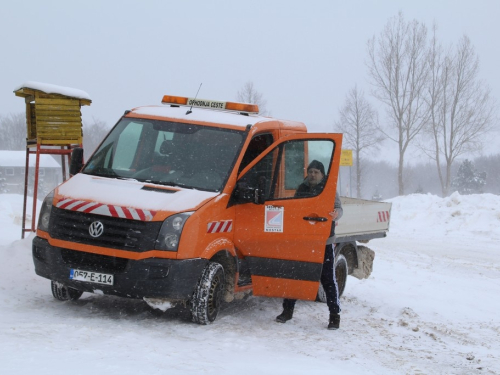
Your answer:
<point x="207" y="297"/>
<point x="341" y="272"/>
<point x="64" y="293"/>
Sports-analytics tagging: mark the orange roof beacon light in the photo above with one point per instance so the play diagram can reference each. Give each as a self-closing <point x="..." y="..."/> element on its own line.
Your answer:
<point x="210" y="104"/>
<point x="175" y="100"/>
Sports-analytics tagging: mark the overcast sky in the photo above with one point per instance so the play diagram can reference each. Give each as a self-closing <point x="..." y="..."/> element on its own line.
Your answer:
<point x="302" y="56"/>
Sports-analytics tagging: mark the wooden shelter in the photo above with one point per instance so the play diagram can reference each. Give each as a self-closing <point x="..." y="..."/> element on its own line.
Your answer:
<point x="52" y="118"/>
<point x="54" y="126"/>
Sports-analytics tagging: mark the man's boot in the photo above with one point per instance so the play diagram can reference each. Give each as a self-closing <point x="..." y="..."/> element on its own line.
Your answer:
<point x="334" y="321"/>
<point x="286" y="315"/>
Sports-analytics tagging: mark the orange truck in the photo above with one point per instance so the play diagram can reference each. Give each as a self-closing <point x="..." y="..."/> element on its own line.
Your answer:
<point x="193" y="201"/>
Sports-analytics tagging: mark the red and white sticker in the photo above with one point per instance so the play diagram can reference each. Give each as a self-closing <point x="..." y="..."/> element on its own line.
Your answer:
<point x="220" y="226"/>
<point x="383" y="216"/>
<point x="274" y="219"/>
<point x="106" y="209"/>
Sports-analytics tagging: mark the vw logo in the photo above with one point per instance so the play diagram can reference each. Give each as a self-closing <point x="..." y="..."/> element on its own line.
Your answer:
<point x="96" y="229"/>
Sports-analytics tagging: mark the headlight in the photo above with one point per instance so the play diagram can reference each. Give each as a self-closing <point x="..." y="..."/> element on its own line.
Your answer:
<point x="170" y="232"/>
<point x="44" y="218"/>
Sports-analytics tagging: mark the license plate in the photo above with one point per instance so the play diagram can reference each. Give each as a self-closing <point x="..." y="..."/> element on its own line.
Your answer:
<point x="91" y="277"/>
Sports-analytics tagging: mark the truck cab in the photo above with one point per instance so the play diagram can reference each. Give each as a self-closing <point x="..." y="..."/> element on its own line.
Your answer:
<point x="191" y="201"/>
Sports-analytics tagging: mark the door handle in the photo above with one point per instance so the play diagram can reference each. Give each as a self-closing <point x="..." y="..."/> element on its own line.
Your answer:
<point x="310" y="218"/>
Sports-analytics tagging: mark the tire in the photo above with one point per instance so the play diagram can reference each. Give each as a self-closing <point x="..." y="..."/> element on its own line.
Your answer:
<point x="64" y="293"/>
<point x="208" y="295"/>
<point x="341" y="272"/>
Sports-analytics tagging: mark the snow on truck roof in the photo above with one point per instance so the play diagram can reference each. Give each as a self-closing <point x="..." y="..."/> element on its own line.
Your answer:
<point x="200" y="114"/>
<point x="211" y="111"/>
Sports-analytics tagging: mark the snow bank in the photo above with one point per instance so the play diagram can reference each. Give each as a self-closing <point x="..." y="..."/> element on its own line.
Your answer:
<point x="11" y="216"/>
<point x="432" y="216"/>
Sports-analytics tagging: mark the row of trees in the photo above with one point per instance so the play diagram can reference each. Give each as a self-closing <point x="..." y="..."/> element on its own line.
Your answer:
<point x="358" y="121"/>
<point x="432" y="96"/>
<point x="470" y="176"/>
<point x="13" y="131"/>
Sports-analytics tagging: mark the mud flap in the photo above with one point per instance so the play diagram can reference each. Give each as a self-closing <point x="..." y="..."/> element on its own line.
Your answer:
<point x="365" y="263"/>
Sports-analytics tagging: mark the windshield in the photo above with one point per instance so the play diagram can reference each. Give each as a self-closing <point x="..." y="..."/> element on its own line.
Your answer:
<point x="167" y="153"/>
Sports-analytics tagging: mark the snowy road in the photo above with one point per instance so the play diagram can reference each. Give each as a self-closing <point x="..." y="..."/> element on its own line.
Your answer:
<point x="429" y="307"/>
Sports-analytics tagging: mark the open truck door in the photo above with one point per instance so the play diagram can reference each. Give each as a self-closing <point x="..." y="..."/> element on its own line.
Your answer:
<point x="281" y="235"/>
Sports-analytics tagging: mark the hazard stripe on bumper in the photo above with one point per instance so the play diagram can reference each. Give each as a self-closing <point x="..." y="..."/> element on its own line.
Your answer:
<point x="106" y="209"/>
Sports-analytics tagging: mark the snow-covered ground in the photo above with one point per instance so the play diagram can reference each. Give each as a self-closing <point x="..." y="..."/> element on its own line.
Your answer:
<point x="431" y="306"/>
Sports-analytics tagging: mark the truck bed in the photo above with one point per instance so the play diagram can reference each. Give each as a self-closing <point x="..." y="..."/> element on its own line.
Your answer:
<point x="362" y="220"/>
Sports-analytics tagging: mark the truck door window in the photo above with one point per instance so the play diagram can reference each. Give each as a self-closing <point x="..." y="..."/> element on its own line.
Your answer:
<point x="298" y="155"/>
<point x="294" y="163"/>
<point x="282" y="171"/>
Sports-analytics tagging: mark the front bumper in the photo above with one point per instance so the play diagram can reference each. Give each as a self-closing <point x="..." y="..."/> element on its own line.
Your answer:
<point x="154" y="278"/>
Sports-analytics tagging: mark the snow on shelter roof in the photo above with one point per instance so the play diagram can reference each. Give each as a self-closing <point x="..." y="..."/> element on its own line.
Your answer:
<point x="18" y="159"/>
<point x="54" y="89"/>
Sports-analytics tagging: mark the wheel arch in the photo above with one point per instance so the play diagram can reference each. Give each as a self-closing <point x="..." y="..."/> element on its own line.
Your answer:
<point x="218" y="245"/>
<point x="227" y="260"/>
<point x="222" y="251"/>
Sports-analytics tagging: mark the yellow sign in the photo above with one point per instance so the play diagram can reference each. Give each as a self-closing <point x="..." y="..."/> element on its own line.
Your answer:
<point x="346" y="158"/>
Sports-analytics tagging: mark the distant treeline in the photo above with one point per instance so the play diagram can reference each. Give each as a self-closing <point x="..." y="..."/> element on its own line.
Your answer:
<point x="382" y="178"/>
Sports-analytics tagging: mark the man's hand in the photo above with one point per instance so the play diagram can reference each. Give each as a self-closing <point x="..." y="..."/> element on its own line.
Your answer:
<point x="334" y="214"/>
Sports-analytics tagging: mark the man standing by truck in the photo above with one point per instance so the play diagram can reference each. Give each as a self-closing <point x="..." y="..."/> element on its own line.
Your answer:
<point x="313" y="185"/>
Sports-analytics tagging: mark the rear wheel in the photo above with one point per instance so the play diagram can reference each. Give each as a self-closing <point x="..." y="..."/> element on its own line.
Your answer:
<point x="64" y="293"/>
<point x="341" y="272"/>
<point x="208" y="295"/>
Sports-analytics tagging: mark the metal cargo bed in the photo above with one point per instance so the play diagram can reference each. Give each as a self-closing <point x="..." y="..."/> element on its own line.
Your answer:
<point x="362" y="220"/>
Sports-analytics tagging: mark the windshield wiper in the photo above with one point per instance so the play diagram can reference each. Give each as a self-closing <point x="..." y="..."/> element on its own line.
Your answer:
<point x="167" y="183"/>
<point x="102" y="173"/>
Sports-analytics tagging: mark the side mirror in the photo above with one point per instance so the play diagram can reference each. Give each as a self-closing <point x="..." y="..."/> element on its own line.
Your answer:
<point x="76" y="161"/>
<point x="251" y="194"/>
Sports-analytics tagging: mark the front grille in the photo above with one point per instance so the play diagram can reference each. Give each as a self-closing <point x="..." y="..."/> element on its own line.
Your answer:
<point x="93" y="262"/>
<point x="123" y="234"/>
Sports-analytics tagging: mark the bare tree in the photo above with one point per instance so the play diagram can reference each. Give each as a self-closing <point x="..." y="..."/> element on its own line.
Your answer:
<point x="248" y="94"/>
<point x="398" y="72"/>
<point x="359" y="123"/>
<point x="461" y="107"/>
<point x="13" y="131"/>
<point x="439" y="68"/>
<point x="93" y="133"/>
